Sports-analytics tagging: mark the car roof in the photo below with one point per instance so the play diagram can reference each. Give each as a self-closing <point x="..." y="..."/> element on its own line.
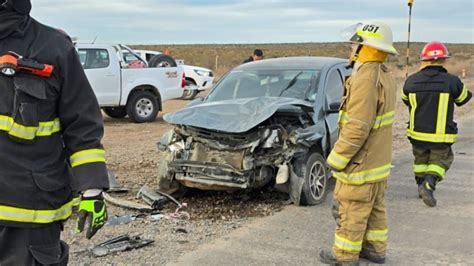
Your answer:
<point x="298" y="62"/>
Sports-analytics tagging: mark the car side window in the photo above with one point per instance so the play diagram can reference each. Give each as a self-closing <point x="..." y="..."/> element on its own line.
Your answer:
<point x="94" y="58"/>
<point x="334" y="87"/>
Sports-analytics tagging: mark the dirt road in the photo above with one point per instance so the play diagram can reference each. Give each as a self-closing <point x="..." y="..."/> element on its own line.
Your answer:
<point x="418" y="235"/>
<point x="132" y="155"/>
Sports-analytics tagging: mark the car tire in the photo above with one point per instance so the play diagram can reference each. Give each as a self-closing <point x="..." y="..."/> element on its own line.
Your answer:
<point x="162" y="60"/>
<point x="116" y="112"/>
<point x="315" y="184"/>
<point x="189" y="94"/>
<point x="143" y="107"/>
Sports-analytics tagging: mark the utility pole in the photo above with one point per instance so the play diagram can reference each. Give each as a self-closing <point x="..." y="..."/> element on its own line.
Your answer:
<point x="410" y="5"/>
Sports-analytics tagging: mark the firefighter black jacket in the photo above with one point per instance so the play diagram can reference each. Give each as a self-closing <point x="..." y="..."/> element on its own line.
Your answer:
<point x="50" y="130"/>
<point x="430" y="95"/>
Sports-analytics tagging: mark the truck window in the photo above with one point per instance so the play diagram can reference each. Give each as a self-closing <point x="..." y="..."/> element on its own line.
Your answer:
<point x="94" y="58"/>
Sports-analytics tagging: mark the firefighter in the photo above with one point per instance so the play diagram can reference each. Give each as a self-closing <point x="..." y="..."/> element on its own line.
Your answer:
<point x="361" y="158"/>
<point x="430" y="95"/>
<point x="50" y="144"/>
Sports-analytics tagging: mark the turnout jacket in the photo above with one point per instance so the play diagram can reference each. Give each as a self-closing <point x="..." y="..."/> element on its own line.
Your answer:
<point x="50" y="131"/>
<point x="363" y="152"/>
<point x="430" y="95"/>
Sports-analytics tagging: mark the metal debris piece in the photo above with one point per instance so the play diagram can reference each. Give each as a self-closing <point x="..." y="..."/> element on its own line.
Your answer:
<point x="181" y="230"/>
<point x="126" y="203"/>
<point x="120" y="243"/>
<point x="116" y="220"/>
<point x="157" y="216"/>
<point x="155" y="200"/>
<point x="114" y="185"/>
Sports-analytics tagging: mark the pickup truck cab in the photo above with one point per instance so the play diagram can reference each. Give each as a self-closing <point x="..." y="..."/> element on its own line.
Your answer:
<point x="123" y="90"/>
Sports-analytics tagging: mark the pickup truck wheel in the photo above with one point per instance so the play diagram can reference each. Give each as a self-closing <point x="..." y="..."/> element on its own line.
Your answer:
<point x="162" y="60"/>
<point x="115" y="112"/>
<point x="315" y="180"/>
<point x="143" y="107"/>
<point x="189" y="90"/>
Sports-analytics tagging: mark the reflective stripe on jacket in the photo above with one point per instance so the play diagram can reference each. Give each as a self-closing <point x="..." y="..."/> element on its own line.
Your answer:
<point x="430" y="95"/>
<point x="363" y="151"/>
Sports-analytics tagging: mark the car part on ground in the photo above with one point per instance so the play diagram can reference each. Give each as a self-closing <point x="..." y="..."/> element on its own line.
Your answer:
<point x="127" y="203"/>
<point x="114" y="185"/>
<point x="120" y="243"/>
<point x="152" y="198"/>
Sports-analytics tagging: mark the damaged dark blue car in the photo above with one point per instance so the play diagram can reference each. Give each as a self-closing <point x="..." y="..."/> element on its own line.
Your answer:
<point x="270" y="122"/>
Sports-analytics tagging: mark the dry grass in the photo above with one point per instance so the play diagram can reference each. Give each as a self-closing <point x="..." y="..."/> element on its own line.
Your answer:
<point x="231" y="55"/>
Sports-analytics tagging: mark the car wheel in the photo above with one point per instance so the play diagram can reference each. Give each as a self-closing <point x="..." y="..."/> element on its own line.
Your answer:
<point x="315" y="180"/>
<point x="162" y="60"/>
<point x="189" y="90"/>
<point x="143" y="107"/>
<point x="115" y="112"/>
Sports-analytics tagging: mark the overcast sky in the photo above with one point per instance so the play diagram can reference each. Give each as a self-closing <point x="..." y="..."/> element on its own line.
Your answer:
<point x="251" y="21"/>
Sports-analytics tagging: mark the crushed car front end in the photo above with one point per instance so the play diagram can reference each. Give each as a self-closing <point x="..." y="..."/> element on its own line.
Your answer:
<point x="214" y="160"/>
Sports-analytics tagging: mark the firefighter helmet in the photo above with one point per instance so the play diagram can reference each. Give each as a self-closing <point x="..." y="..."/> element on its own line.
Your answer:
<point x="434" y="51"/>
<point x="377" y="35"/>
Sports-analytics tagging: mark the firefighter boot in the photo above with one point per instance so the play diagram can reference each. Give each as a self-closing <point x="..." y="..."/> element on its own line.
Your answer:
<point x="327" y="257"/>
<point x="427" y="190"/>
<point x="419" y="181"/>
<point x="371" y="256"/>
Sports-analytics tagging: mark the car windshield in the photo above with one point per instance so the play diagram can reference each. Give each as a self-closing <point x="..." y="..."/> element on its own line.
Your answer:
<point x="258" y="83"/>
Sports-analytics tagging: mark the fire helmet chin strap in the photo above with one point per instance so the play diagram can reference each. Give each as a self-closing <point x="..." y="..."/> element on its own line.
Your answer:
<point x="355" y="56"/>
<point x="355" y="39"/>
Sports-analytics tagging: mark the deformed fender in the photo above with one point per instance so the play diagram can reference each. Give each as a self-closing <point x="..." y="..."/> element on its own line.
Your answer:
<point x="295" y="187"/>
<point x="310" y="135"/>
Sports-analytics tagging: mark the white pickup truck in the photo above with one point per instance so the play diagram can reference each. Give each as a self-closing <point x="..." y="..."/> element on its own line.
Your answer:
<point x="123" y="90"/>
<point x="197" y="78"/>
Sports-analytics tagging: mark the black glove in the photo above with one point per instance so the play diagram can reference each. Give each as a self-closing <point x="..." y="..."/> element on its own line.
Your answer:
<point x="93" y="210"/>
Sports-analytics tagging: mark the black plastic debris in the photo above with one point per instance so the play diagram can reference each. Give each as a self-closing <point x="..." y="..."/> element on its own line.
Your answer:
<point x="120" y="243"/>
<point x="152" y="198"/>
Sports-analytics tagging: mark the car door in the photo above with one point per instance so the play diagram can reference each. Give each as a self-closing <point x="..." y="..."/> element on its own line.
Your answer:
<point x="102" y="74"/>
<point x="334" y="91"/>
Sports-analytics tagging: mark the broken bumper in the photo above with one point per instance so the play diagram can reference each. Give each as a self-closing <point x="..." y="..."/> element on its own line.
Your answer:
<point x="210" y="175"/>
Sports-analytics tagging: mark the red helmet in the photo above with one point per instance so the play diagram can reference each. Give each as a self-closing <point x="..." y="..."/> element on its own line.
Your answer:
<point x="434" y="51"/>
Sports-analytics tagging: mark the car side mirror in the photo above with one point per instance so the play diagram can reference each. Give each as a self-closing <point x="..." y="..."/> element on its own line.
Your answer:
<point x="334" y="108"/>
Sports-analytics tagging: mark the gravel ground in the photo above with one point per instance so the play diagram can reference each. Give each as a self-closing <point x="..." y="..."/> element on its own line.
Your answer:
<point x="132" y="155"/>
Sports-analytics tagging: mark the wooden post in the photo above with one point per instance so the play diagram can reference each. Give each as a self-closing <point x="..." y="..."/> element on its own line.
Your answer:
<point x="410" y="5"/>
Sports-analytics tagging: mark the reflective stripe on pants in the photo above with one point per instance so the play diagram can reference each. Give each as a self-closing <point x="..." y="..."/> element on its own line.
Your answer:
<point x="432" y="161"/>
<point x="362" y="220"/>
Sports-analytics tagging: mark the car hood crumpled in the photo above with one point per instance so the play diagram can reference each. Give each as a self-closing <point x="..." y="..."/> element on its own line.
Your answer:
<point x="232" y="116"/>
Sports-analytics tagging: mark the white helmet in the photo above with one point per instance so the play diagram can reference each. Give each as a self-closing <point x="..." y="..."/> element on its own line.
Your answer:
<point x="375" y="34"/>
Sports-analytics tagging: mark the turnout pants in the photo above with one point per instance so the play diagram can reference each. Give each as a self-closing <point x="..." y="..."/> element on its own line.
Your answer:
<point x="361" y="220"/>
<point x="432" y="161"/>
<point x="33" y="246"/>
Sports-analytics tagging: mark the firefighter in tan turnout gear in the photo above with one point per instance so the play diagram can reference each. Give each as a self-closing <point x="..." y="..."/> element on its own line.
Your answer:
<point x="50" y="141"/>
<point x="361" y="158"/>
<point x="430" y="95"/>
